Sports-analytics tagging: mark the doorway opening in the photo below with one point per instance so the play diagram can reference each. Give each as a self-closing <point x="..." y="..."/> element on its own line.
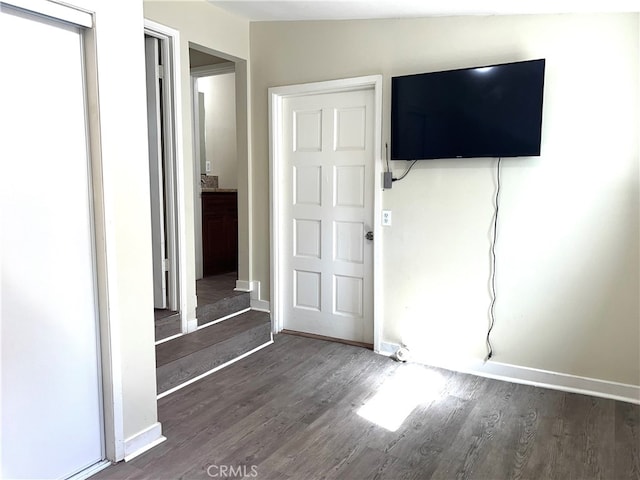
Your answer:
<point x="164" y="180"/>
<point x="213" y="84"/>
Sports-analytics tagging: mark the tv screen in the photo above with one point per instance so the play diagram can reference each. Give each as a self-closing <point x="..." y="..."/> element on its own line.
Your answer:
<point x="491" y="111"/>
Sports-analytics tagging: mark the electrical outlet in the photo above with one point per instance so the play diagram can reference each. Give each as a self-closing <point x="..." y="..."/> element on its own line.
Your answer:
<point x="386" y="218"/>
<point x="207" y="167"/>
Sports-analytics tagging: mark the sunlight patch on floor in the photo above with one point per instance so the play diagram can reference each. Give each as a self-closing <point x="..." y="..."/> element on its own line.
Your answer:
<point x="410" y="386"/>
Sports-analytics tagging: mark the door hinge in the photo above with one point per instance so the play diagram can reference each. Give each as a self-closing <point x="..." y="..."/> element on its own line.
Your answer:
<point x="165" y="264"/>
<point x="160" y="71"/>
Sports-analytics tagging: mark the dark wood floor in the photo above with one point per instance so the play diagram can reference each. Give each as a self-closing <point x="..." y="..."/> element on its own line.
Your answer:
<point x="214" y="288"/>
<point x="189" y="356"/>
<point x="293" y="411"/>
<point x="167" y="323"/>
<point x="216" y="298"/>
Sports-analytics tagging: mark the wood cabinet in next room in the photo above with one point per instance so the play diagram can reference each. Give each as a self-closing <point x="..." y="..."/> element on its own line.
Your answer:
<point x="219" y="232"/>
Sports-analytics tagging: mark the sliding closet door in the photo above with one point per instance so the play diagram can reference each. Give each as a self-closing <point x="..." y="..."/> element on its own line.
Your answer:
<point x="50" y="376"/>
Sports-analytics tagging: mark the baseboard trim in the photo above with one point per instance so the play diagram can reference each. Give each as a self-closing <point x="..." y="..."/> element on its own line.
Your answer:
<point x="243" y="286"/>
<point x="531" y="376"/>
<point x="260" y="305"/>
<point x="387" y="349"/>
<point x="192" y="325"/>
<point x="561" y="381"/>
<point x="143" y="441"/>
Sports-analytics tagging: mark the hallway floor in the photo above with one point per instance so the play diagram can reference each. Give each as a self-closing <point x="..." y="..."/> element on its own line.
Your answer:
<point x="216" y="287"/>
<point x="212" y="290"/>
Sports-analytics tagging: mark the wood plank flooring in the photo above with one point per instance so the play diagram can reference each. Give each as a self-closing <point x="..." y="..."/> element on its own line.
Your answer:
<point x="217" y="297"/>
<point x="185" y="358"/>
<point x="167" y="323"/>
<point x="291" y="411"/>
<point x="214" y="288"/>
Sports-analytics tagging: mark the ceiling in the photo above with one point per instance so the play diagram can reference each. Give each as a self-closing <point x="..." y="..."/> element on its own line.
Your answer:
<point x="292" y="10"/>
<point x="201" y="59"/>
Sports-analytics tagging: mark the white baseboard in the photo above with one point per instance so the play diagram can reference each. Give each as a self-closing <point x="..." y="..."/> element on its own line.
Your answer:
<point x="561" y="381"/>
<point x="387" y="349"/>
<point x="254" y="288"/>
<point x="260" y="305"/>
<point x="243" y="286"/>
<point x="192" y="325"/>
<point x="530" y="376"/>
<point x="143" y="441"/>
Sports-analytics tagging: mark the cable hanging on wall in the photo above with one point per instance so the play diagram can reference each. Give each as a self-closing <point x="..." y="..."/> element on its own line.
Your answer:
<point x="492" y="314"/>
<point x="388" y="177"/>
<point x="406" y="172"/>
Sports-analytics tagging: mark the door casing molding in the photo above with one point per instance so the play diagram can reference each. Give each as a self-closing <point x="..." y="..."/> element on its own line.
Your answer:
<point x="176" y="234"/>
<point x="277" y="95"/>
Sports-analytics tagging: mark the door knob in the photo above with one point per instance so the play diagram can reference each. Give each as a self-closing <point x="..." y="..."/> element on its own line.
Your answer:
<point x="369" y="236"/>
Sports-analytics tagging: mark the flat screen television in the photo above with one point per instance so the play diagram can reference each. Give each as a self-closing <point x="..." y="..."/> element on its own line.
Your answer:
<point x="490" y="111"/>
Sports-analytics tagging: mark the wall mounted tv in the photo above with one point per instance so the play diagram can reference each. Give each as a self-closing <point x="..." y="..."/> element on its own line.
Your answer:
<point x="490" y="111"/>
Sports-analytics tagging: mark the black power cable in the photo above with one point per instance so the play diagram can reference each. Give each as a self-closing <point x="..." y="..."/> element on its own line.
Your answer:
<point x="406" y="172"/>
<point x="492" y="314"/>
<point x="386" y="156"/>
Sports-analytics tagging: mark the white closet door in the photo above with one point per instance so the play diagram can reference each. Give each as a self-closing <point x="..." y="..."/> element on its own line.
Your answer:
<point x="50" y="377"/>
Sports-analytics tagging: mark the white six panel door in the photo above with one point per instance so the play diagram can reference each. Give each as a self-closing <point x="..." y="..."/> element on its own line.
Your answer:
<point x="329" y="199"/>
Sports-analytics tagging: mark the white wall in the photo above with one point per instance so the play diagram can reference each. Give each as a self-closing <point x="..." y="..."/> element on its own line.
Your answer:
<point x="567" y="267"/>
<point x="201" y="23"/>
<point x="126" y="204"/>
<point x="220" y="127"/>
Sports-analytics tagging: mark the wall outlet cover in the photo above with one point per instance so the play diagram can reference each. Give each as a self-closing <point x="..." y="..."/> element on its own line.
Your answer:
<point x="386" y="218"/>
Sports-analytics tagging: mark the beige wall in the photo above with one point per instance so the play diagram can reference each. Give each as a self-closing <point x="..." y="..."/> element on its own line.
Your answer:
<point x="125" y="172"/>
<point x="568" y="241"/>
<point x="220" y="127"/>
<point x="227" y="36"/>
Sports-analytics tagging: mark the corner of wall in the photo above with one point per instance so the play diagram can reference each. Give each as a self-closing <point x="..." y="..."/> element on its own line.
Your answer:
<point x="143" y="441"/>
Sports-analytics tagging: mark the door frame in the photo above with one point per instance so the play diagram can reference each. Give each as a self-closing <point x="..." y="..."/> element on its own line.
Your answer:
<point x="176" y="233"/>
<point x="277" y="95"/>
